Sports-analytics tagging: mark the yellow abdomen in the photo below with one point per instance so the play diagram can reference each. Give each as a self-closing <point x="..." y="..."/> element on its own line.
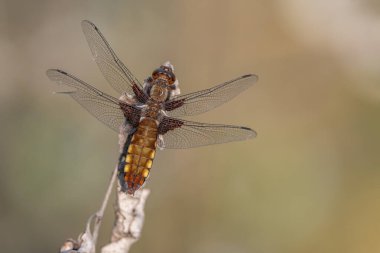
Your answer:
<point x="140" y="155"/>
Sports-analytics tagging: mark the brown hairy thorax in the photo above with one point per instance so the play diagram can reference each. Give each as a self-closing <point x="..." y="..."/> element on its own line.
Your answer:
<point x="160" y="90"/>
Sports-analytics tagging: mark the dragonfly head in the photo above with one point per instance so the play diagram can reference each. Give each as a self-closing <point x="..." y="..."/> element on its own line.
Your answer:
<point x="165" y="73"/>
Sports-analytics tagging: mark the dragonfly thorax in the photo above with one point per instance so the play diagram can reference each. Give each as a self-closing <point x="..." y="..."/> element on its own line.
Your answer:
<point x="152" y="110"/>
<point x="159" y="91"/>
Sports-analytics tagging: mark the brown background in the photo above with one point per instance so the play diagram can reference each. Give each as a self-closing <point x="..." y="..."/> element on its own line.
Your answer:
<point x="308" y="183"/>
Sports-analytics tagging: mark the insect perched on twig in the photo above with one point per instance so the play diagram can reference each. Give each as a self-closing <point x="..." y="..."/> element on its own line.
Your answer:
<point x="147" y="113"/>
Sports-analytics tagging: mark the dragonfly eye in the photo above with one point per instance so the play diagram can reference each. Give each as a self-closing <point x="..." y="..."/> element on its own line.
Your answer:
<point x="155" y="74"/>
<point x="171" y="77"/>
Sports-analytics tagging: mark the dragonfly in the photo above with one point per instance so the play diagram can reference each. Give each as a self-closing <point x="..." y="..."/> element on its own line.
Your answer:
<point x="149" y="115"/>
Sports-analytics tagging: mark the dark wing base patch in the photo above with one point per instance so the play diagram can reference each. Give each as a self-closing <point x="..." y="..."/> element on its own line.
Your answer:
<point x="140" y="95"/>
<point x="168" y="124"/>
<point x="174" y="104"/>
<point x="132" y="114"/>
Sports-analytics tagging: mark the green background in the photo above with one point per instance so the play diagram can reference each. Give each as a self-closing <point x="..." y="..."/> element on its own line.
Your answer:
<point x="308" y="183"/>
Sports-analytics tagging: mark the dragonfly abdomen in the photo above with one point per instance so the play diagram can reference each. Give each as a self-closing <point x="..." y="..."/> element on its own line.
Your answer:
<point x="140" y="155"/>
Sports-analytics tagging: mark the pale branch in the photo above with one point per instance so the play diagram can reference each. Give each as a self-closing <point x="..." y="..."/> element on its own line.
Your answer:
<point x="129" y="221"/>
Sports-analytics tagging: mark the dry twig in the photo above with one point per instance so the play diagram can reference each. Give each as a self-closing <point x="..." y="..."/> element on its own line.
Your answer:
<point x="129" y="221"/>
<point x="127" y="227"/>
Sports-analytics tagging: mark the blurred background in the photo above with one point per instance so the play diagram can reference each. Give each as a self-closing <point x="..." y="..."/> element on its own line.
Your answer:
<point x="308" y="183"/>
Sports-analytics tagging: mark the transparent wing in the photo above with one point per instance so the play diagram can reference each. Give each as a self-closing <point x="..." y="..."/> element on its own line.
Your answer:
<point x="179" y="133"/>
<point x="115" y="72"/>
<point x="205" y="100"/>
<point x="104" y="107"/>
